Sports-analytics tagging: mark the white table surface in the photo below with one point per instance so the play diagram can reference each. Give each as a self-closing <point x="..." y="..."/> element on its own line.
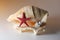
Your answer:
<point x="7" y="32"/>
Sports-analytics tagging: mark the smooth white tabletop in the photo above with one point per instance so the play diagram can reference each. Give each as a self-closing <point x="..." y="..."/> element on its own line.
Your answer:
<point x="7" y="32"/>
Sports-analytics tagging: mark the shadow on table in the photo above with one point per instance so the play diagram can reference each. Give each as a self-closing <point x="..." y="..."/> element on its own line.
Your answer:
<point x="53" y="25"/>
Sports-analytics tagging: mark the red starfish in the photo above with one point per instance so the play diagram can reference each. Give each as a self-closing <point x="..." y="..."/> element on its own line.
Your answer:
<point x="23" y="19"/>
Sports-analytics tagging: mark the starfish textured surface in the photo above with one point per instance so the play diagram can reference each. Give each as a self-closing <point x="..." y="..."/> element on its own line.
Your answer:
<point x="23" y="19"/>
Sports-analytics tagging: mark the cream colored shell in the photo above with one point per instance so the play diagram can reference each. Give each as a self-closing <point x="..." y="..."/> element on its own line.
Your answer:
<point x="32" y="12"/>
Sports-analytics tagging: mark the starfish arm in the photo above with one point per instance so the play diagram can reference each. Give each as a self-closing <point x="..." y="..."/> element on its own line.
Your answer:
<point x="28" y="18"/>
<point x="21" y="23"/>
<point x="24" y="15"/>
<point x="19" y="18"/>
<point x="26" y="23"/>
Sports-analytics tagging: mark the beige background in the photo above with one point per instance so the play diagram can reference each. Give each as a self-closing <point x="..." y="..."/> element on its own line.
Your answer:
<point x="8" y="7"/>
